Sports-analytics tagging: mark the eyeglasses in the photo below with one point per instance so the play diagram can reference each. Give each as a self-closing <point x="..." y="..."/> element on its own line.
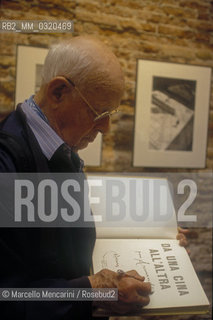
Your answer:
<point x="98" y="116"/>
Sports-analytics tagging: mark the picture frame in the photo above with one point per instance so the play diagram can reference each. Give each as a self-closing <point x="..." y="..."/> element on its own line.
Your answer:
<point x="29" y="62"/>
<point x="171" y="115"/>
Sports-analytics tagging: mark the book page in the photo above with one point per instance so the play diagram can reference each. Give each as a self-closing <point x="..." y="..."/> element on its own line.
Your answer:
<point x="162" y="262"/>
<point x="132" y="207"/>
<point x="136" y="233"/>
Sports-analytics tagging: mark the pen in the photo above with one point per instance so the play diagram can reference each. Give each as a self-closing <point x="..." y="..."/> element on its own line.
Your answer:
<point x="122" y="273"/>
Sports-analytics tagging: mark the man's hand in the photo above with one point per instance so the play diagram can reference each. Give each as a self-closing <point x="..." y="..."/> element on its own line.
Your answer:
<point x="183" y="234"/>
<point x="133" y="292"/>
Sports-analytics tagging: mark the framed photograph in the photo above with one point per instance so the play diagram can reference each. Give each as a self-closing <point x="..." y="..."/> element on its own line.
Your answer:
<point x="171" y="116"/>
<point x="29" y="63"/>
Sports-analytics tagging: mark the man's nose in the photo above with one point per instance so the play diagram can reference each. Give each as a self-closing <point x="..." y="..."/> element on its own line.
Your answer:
<point x="103" y="125"/>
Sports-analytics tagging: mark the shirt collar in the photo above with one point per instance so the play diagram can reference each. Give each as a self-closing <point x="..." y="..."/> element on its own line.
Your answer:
<point x="31" y="102"/>
<point x="47" y="138"/>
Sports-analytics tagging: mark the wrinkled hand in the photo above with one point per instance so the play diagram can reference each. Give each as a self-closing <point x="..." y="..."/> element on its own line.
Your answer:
<point x="133" y="292"/>
<point x="183" y="234"/>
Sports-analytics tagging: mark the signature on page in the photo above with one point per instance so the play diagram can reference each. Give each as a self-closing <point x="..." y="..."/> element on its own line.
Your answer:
<point x="111" y="260"/>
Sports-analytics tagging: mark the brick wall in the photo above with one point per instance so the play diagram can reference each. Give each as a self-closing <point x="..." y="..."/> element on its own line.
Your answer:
<point x="165" y="30"/>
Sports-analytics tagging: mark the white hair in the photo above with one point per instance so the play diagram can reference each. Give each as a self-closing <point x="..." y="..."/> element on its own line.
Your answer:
<point x="79" y="61"/>
<point x="66" y="59"/>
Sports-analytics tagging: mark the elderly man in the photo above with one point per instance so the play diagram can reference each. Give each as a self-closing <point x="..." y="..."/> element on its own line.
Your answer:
<point x="81" y="88"/>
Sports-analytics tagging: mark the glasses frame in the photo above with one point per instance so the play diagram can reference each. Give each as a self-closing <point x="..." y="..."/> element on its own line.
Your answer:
<point x="98" y="116"/>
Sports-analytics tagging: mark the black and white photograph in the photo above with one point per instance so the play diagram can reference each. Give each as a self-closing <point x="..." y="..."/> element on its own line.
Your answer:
<point x="171" y="114"/>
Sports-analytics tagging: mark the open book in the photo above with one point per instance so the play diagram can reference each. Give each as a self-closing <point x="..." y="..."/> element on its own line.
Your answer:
<point x="150" y="247"/>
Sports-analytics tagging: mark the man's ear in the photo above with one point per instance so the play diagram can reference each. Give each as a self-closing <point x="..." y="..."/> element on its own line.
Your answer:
<point x="57" y="88"/>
